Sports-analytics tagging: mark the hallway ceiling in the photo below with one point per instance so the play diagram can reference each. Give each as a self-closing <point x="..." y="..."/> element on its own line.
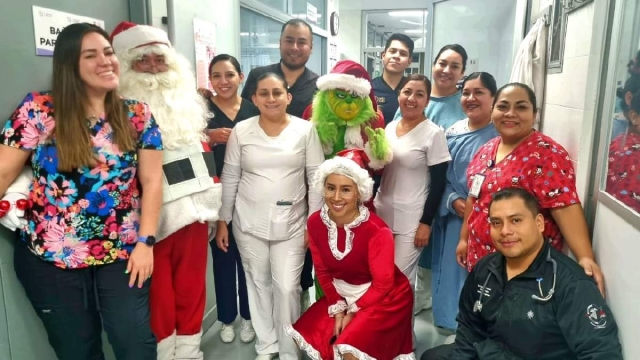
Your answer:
<point x="473" y="13"/>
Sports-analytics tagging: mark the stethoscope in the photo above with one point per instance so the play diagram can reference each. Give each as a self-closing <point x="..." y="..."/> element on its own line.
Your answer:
<point x="477" y="306"/>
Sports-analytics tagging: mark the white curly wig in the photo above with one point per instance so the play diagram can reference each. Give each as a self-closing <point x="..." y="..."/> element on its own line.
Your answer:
<point x="349" y="168"/>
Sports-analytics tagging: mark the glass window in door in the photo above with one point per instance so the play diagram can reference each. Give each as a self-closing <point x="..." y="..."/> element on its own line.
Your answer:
<point x="622" y="178"/>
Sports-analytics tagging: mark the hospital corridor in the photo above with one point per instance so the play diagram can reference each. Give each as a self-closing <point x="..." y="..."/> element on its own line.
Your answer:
<point x="319" y="179"/>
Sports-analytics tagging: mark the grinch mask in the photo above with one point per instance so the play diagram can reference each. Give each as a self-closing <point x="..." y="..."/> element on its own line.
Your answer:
<point x="344" y="104"/>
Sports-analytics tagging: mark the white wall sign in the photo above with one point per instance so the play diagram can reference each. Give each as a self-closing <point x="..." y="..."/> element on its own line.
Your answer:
<point x="204" y="35"/>
<point x="312" y="13"/>
<point x="333" y="52"/>
<point x="48" y="23"/>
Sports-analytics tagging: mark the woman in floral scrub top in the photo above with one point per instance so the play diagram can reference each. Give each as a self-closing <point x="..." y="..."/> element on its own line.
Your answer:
<point x="523" y="157"/>
<point x="80" y="255"/>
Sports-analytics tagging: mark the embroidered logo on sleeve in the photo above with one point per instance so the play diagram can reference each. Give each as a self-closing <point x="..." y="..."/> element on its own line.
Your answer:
<point x="597" y="317"/>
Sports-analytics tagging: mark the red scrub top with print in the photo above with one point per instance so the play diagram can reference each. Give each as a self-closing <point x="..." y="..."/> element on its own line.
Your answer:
<point x="539" y="165"/>
<point x="623" y="175"/>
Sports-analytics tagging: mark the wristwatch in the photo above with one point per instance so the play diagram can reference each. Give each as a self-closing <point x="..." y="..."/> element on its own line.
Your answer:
<point x="149" y="240"/>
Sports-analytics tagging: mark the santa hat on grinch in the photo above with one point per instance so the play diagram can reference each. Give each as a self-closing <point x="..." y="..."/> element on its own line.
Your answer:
<point x="351" y="163"/>
<point x="350" y="76"/>
<point x="128" y="36"/>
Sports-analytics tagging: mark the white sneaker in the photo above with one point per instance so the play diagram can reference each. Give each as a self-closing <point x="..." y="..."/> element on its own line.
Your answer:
<point x="228" y="333"/>
<point x="450" y="339"/>
<point x="304" y="301"/>
<point x="247" y="333"/>
<point x="266" y="356"/>
<point x="422" y="305"/>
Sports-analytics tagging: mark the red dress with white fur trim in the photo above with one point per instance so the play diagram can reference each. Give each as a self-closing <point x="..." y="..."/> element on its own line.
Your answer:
<point x="355" y="267"/>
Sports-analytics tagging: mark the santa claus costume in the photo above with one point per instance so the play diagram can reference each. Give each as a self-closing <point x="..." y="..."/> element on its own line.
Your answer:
<point x="152" y="71"/>
<point x="355" y="266"/>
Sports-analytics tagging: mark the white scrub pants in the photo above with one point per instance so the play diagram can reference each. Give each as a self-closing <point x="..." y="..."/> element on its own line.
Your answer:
<point x="273" y="270"/>
<point x="407" y="255"/>
<point x="406" y="259"/>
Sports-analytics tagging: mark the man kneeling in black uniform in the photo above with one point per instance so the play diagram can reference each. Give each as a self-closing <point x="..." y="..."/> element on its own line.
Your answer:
<point x="528" y="301"/>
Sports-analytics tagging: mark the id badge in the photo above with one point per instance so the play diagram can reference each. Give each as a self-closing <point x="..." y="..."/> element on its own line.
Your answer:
<point x="476" y="185"/>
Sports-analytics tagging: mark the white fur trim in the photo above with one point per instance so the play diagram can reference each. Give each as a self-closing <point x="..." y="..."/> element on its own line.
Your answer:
<point x="199" y="207"/>
<point x="358" y="86"/>
<point x="353" y="138"/>
<point x="167" y="347"/>
<point x="348" y="168"/>
<point x="188" y="347"/>
<point x="128" y="57"/>
<point x="139" y="36"/>
<point x="377" y="164"/>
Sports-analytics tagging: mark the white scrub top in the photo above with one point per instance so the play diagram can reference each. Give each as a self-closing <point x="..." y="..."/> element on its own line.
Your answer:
<point x="265" y="179"/>
<point x="405" y="181"/>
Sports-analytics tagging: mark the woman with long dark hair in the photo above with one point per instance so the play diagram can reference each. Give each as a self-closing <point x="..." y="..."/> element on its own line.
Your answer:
<point x="228" y="110"/>
<point x="84" y="257"/>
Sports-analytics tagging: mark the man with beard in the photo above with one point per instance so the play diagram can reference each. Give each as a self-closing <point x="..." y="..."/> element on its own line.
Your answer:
<point x="296" y="43"/>
<point x="152" y="71"/>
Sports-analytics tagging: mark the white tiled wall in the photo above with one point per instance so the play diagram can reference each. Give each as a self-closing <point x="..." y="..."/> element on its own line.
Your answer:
<point x="566" y="95"/>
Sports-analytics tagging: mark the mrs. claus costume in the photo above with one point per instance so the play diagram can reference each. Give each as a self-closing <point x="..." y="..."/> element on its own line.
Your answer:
<point x="355" y="267"/>
<point x="191" y="191"/>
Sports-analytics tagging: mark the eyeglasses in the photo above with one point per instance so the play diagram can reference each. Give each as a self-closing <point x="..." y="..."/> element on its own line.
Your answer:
<point x="148" y="63"/>
<point x="5" y="206"/>
<point x="345" y="193"/>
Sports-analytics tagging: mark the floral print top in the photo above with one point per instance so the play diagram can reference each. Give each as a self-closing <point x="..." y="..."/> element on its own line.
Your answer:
<point x="89" y="216"/>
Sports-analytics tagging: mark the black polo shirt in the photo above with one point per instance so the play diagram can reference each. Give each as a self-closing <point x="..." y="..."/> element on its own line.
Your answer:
<point x="221" y="120"/>
<point x="386" y="97"/>
<point x="301" y="92"/>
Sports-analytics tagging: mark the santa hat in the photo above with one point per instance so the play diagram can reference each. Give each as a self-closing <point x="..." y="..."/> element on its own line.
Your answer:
<point x="351" y="76"/>
<point x="127" y="36"/>
<point x="350" y="163"/>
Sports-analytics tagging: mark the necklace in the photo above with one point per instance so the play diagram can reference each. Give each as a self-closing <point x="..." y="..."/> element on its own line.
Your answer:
<point x="355" y="216"/>
<point x="93" y="119"/>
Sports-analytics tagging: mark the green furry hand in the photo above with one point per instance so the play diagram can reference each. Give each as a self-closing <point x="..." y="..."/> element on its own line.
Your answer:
<point x="327" y="132"/>
<point x="378" y="143"/>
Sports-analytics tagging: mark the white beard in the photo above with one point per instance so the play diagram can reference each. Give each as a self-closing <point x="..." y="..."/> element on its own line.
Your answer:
<point x="177" y="107"/>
